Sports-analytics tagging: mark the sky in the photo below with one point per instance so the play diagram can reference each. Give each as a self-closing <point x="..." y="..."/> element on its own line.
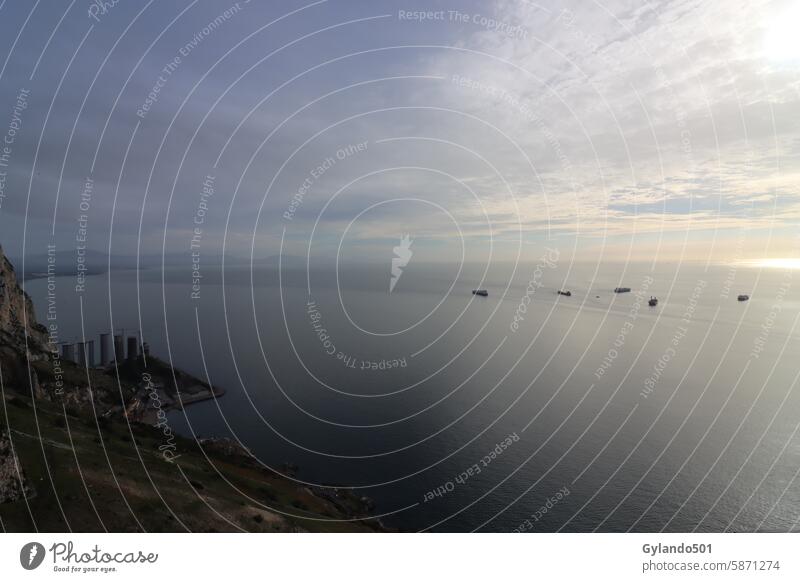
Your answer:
<point x="481" y="129"/>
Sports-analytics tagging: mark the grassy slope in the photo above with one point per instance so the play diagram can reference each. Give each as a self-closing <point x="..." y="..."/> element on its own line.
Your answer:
<point x="100" y="481"/>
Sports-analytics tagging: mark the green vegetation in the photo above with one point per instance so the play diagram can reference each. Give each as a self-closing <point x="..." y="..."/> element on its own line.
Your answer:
<point x="92" y="474"/>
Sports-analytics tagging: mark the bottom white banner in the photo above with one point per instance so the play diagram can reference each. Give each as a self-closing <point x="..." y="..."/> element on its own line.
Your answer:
<point x="355" y="557"/>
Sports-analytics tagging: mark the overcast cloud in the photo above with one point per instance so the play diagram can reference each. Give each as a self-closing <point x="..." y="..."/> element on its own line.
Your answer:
<point x="604" y="125"/>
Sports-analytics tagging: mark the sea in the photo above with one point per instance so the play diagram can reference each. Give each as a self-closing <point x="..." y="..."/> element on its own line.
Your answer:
<point x="524" y="410"/>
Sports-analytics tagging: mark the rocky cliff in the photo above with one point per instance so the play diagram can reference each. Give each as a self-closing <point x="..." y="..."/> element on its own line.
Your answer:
<point x="30" y="367"/>
<point x="17" y="317"/>
<point x="72" y="460"/>
<point x="13" y="484"/>
<point x="23" y="341"/>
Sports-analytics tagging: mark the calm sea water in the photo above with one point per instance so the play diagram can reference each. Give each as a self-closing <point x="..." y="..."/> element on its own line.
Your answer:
<point x="521" y="410"/>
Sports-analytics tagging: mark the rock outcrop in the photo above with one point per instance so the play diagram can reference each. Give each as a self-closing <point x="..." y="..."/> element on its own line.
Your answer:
<point x="13" y="484"/>
<point x="23" y="341"/>
<point x="226" y="446"/>
<point x="17" y="317"/>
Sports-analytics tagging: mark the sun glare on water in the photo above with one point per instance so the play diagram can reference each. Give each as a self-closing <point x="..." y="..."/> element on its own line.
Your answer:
<point x="775" y="263"/>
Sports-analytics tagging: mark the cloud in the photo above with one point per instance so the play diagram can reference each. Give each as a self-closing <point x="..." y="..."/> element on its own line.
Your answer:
<point x="573" y="119"/>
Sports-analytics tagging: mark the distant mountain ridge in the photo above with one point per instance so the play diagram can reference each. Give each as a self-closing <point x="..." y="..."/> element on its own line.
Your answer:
<point x="64" y="263"/>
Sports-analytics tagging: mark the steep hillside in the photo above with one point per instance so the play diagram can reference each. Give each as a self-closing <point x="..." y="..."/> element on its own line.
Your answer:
<point x="17" y="318"/>
<point x="92" y="450"/>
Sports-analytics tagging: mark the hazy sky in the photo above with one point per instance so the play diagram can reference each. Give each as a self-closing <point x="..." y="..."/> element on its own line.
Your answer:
<point x="608" y="127"/>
